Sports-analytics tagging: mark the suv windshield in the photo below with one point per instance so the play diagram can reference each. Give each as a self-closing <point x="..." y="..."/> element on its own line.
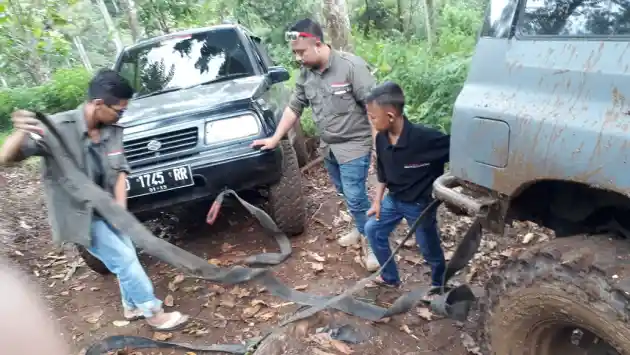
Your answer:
<point x="184" y="61"/>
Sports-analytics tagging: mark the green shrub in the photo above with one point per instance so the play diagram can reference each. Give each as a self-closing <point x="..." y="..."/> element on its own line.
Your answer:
<point x="64" y="91"/>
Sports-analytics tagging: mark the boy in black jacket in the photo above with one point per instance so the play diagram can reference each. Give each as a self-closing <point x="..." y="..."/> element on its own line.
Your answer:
<point x="409" y="158"/>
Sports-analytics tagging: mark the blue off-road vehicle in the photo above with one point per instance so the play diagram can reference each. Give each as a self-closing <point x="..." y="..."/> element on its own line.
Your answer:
<point x="541" y="132"/>
<point x="202" y="96"/>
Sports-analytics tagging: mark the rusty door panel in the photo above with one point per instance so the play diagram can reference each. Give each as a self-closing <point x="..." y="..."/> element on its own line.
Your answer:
<point x="567" y="104"/>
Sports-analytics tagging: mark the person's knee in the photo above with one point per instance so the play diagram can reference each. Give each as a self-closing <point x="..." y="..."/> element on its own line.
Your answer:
<point x="371" y="227"/>
<point x="357" y="199"/>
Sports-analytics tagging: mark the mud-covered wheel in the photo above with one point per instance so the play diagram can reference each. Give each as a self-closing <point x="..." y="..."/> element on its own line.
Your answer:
<point x="92" y="262"/>
<point x="286" y="201"/>
<point x="568" y="296"/>
<point x="298" y="141"/>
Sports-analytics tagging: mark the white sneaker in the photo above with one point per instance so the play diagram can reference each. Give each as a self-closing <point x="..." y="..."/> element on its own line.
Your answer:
<point x="351" y="238"/>
<point x="371" y="263"/>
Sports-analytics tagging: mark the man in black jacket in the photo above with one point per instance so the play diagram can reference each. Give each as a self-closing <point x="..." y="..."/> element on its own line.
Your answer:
<point x="409" y="158"/>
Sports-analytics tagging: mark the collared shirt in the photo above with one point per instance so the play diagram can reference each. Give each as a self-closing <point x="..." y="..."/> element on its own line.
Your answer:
<point x="337" y="95"/>
<point x="70" y="219"/>
<point x="409" y="167"/>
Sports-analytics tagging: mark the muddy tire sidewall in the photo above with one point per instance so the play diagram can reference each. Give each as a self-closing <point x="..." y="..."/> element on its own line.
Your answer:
<point x="286" y="203"/>
<point x="568" y="280"/>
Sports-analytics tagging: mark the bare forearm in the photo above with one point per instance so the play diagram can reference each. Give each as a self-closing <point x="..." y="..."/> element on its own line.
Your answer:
<point x="120" y="190"/>
<point x="380" y="191"/>
<point x="289" y="117"/>
<point x="10" y="151"/>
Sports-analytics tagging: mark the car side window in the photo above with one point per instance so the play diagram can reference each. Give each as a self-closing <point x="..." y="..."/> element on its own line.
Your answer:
<point x="499" y="18"/>
<point x="575" y="18"/>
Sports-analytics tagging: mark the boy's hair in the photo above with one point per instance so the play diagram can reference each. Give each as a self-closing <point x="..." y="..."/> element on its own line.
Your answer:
<point x="388" y="94"/>
<point x="110" y="87"/>
<point x="309" y="26"/>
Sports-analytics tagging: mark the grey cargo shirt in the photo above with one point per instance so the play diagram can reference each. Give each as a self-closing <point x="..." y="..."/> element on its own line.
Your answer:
<point x="337" y="96"/>
<point x="70" y="219"/>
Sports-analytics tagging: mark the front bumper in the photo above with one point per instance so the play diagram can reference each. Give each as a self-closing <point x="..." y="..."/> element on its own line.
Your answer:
<point x="211" y="176"/>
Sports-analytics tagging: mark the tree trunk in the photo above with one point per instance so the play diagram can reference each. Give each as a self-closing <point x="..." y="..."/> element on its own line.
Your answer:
<point x="428" y="21"/>
<point x="110" y="25"/>
<point x="134" y="24"/>
<point x="401" y="19"/>
<point x="337" y="24"/>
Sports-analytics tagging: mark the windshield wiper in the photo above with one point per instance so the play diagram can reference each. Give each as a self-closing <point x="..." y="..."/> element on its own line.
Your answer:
<point x="159" y="92"/>
<point x="221" y="78"/>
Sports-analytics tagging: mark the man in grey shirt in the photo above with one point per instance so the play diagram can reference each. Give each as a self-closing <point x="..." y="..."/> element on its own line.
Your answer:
<point x="335" y="85"/>
<point x="95" y="142"/>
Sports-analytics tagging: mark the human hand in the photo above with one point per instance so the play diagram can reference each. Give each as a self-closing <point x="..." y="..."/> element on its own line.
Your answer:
<point x="265" y="144"/>
<point x="26" y="121"/>
<point x="375" y="210"/>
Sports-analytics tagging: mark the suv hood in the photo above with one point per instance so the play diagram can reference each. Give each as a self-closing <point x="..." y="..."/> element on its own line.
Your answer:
<point x="188" y="101"/>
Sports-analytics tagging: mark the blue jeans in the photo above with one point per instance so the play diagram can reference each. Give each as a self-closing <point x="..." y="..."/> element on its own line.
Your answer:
<point x="427" y="237"/>
<point x="350" y="180"/>
<point x="117" y="252"/>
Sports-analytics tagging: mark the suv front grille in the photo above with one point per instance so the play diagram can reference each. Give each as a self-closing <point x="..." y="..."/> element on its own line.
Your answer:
<point x="161" y="144"/>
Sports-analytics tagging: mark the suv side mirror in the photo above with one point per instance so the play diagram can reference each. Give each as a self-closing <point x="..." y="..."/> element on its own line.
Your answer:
<point x="278" y="74"/>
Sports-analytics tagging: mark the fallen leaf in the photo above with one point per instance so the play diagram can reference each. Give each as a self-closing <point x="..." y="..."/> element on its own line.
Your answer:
<point x="190" y="289"/>
<point x="257" y="302"/>
<point x="215" y="262"/>
<point x="341" y="346"/>
<point x="225" y="247"/>
<point x="251" y="311"/>
<point x="528" y="238"/>
<point x="316" y="257"/>
<point x="316" y="351"/>
<point x="312" y="240"/>
<point x="470" y="344"/>
<point x="25" y="226"/>
<point x="414" y="259"/>
<point x="240" y="292"/>
<point x="321" y="339"/>
<point x="19" y="253"/>
<point x="425" y="313"/>
<point x="265" y="316"/>
<point x="94" y="289"/>
<point x="190" y="353"/>
<point x="93" y="317"/>
<point x="120" y="323"/>
<point x="169" y="301"/>
<point x="227" y="302"/>
<point x="317" y="267"/>
<point x="405" y="328"/>
<point x="159" y="336"/>
<point x="300" y="287"/>
<point x="179" y="279"/>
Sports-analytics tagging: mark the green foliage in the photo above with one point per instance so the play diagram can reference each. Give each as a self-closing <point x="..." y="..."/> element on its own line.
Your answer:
<point x="64" y="91"/>
<point x="431" y="77"/>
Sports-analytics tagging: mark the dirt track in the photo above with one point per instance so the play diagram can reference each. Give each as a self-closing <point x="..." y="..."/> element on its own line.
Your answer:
<point x="87" y="305"/>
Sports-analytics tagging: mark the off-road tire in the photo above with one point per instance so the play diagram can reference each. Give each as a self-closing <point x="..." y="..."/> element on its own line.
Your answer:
<point x="92" y="262"/>
<point x="286" y="203"/>
<point x="581" y="281"/>
<point x="298" y="141"/>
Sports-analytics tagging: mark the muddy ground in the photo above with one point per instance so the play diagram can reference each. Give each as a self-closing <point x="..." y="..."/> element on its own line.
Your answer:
<point x="87" y="305"/>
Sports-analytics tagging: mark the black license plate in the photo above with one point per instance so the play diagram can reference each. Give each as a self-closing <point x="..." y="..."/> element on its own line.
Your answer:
<point x="159" y="181"/>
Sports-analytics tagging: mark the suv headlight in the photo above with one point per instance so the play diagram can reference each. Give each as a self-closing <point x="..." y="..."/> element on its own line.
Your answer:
<point x="231" y="128"/>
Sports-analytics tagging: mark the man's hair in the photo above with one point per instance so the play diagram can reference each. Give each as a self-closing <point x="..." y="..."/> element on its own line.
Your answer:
<point x="309" y="26"/>
<point x="388" y="94"/>
<point x="109" y="86"/>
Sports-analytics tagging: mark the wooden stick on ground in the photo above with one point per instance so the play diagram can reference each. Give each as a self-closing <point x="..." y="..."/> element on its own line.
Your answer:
<point x="311" y="164"/>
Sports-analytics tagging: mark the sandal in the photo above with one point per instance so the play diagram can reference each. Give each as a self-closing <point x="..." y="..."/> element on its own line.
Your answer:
<point x="177" y="320"/>
<point x="133" y="314"/>
<point x="378" y="281"/>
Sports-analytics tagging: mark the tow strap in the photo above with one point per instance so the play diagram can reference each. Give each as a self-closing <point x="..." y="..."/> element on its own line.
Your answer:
<point x="451" y="302"/>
